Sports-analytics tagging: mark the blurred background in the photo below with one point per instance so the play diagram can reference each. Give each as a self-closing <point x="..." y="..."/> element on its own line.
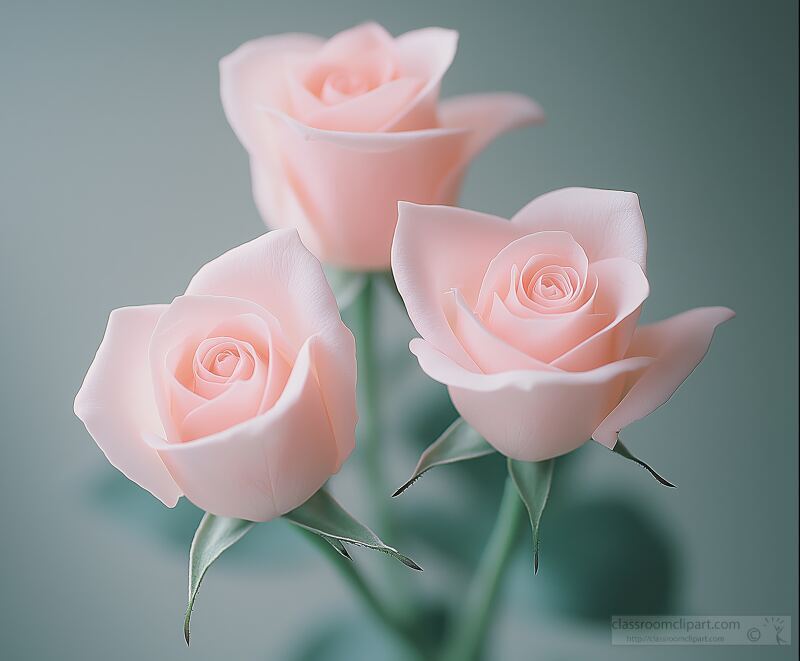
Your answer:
<point x="119" y="177"/>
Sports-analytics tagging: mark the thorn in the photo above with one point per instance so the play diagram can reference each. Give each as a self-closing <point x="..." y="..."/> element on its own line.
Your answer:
<point x="535" y="562"/>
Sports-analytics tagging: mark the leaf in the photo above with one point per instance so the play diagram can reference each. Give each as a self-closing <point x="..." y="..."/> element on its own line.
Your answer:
<point x="213" y="537"/>
<point x="338" y="546"/>
<point x="321" y="514"/>
<point x="459" y="442"/>
<point x="346" y="285"/>
<point x="621" y="450"/>
<point x="533" y="480"/>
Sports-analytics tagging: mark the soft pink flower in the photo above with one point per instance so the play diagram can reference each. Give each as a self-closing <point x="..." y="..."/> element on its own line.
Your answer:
<point x="338" y="131"/>
<point x="239" y="394"/>
<point x="532" y="324"/>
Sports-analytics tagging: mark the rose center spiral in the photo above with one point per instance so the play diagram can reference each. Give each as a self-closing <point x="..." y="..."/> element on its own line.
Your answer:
<point x="551" y="284"/>
<point x="341" y="84"/>
<point x="221" y="360"/>
<point x="224" y="362"/>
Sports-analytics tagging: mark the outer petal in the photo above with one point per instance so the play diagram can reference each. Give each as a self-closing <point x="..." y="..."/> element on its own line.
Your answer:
<point x="277" y="272"/>
<point x="678" y="344"/>
<point x="531" y="415"/>
<point x="280" y="205"/>
<point x="425" y="54"/>
<point x="488" y="116"/>
<point x="117" y="405"/>
<point x="437" y="249"/>
<point x="606" y="223"/>
<point x="253" y="76"/>
<point x="266" y="466"/>
<point x="346" y="185"/>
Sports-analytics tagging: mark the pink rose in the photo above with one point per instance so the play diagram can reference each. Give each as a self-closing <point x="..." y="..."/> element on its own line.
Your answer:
<point x="532" y="324"/>
<point x="338" y="131"/>
<point x="239" y="394"/>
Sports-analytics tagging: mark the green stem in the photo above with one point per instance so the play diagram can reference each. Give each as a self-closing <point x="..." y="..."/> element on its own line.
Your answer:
<point x="469" y="630"/>
<point x="369" y="413"/>
<point x="392" y="620"/>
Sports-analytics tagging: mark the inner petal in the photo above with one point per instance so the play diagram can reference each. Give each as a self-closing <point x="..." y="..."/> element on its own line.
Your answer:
<point x="544" y="336"/>
<point x="548" y="269"/>
<point x="216" y="360"/>
<point x="553" y="283"/>
<point x="342" y="85"/>
<point x="491" y="352"/>
<point x="336" y="74"/>
<point x="219" y="361"/>
<point x="219" y="358"/>
<point x="225" y="363"/>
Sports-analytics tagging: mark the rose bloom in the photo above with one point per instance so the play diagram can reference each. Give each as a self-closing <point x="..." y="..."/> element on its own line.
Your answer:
<point x="532" y="324"/>
<point x="338" y="131"/>
<point x="239" y="394"/>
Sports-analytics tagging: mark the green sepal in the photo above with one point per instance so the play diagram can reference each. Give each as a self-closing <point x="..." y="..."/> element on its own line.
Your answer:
<point x="459" y="442"/>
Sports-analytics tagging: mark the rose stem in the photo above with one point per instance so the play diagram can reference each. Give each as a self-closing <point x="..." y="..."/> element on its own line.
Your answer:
<point x="371" y="429"/>
<point x="369" y="412"/>
<point x="391" y="619"/>
<point x="468" y="633"/>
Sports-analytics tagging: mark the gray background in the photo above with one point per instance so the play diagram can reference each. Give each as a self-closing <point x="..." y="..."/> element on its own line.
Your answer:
<point x="119" y="177"/>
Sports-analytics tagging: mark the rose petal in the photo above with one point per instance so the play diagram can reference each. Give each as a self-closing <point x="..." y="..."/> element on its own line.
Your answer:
<point x="267" y="465"/>
<point x="622" y="287"/>
<point x="560" y="247"/>
<point x="367" y="51"/>
<point x="490" y="352"/>
<point x="678" y="344"/>
<point x="485" y="117"/>
<point x="348" y="184"/>
<point x="437" y="249"/>
<point x="351" y="44"/>
<point x="117" y="405"/>
<point x="488" y="116"/>
<point x="605" y="223"/>
<point x="217" y="362"/>
<point x="238" y="403"/>
<point x="186" y="322"/>
<point x="280" y="205"/>
<point x="519" y="303"/>
<point x="544" y="336"/>
<point x="530" y="415"/>
<point x="277" y="272"/>
<point x="253" y="76"/>
<point x="426" y="55"/>
<point x="332" y="185"/>
<point x="371" y="111"/>
<point x="255" y="328"/>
